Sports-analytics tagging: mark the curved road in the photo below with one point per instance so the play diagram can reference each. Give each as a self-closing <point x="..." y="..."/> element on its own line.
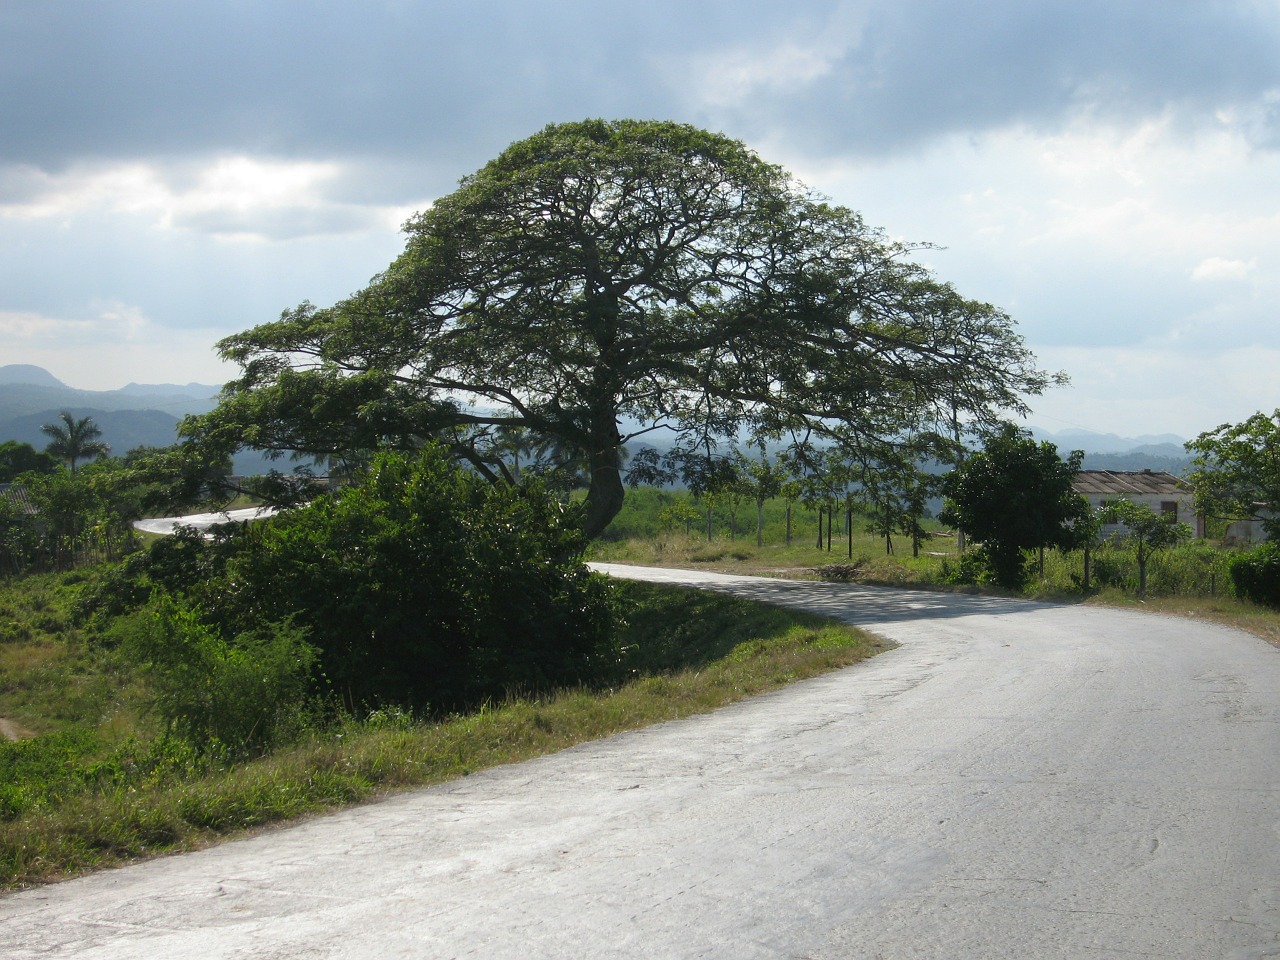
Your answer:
<point x="202" y="521"/>
<point x="1016" y="780"/>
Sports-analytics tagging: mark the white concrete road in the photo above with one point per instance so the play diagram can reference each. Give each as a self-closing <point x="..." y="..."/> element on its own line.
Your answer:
<point x="201" y="521"/>
<point x="1016" y="780"/>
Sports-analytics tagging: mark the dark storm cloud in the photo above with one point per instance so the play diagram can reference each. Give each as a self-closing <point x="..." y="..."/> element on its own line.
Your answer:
<point x="448" y="83"/>
<point x="128" y="79"/>
<point x="912" y="71"/>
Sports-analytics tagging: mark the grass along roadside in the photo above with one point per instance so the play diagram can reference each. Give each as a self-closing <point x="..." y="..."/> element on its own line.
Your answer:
<point x="803" y="561"/>
<point x="683" y="652"/>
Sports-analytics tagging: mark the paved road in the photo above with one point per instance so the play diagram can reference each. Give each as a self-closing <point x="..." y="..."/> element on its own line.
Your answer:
<point x="1015" y="780"/>
<point x="201" y="521"/>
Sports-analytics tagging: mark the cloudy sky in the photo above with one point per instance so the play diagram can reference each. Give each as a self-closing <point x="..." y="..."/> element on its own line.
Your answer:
<point x="1107" y="171"/>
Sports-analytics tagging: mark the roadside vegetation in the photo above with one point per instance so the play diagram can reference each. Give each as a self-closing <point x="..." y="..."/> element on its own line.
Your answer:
<point x="1190" y="578"/>
<point x="424" y="610"/>
<point x="162" y="708"/>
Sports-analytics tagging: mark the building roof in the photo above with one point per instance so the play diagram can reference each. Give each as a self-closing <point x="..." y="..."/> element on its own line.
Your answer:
<point x="1119" y="483"/>
<point x="20" y="497"/>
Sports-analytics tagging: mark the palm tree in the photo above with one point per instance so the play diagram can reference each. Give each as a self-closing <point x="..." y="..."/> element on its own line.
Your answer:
<point x="74" y="440"/>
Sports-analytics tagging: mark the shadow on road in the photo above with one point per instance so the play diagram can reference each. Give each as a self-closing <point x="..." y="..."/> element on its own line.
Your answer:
<point x="851" y="603"/>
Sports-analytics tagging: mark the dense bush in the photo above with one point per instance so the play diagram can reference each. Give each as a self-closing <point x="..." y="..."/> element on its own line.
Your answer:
<point x="1256" y="575"/>
<point x="420" y="585"/>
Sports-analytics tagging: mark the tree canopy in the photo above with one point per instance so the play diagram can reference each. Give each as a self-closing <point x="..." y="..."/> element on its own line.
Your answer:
<point x="1236" y="472"/>
<point x="1015" y="495"/>
<point x="601" y="279"/>
<point x="17" y="458"/>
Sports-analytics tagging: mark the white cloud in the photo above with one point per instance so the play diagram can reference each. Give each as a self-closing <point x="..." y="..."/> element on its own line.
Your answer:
<point x="1127" y="390"/>
<point x="116" y="344"/>
<point x="731" y="79"/>
<point x="232" y="197"/>
<point x="106" y="322"/>
<point x="26" y="326"/>
<point x="1219" y="268"/>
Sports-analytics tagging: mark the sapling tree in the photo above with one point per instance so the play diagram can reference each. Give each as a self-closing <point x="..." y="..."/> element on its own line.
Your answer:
<point x="1147" y="530"/>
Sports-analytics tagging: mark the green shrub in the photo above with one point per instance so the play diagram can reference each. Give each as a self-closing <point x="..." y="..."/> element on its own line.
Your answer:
<point x="229" y="698"/>
<point x="968" y="569"/>
<point x="424" y="586"/>
<point x="1256" y="575"/>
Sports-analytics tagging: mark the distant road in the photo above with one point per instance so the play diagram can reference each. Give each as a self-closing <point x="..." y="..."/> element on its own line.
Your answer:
<point x="1015" y="780"/>
<point x="201" y="521"/>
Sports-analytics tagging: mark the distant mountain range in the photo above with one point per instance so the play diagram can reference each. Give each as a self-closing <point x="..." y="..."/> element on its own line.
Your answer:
<point x="148" y="414"/>
<point x="134" y="416"/>
<point x="1107" y="451"/>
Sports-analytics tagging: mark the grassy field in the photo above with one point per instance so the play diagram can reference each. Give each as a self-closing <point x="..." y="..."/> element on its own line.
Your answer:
<point x="99" y="788"/>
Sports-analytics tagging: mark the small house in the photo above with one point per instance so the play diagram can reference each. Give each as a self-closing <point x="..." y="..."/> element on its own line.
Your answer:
<point x="1162" y="492"/>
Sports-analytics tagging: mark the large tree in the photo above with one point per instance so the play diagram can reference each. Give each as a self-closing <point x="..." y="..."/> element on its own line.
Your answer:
<point x="1236" y="472"/>
<point x="603" y="274"/>
<point x="1015" y="495"/>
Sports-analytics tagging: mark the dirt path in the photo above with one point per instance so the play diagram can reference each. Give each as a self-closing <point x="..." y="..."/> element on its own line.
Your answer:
<point x="11" y="731"/>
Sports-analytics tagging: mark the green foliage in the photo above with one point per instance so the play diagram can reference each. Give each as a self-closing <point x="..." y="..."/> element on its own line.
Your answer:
<point x="1149" y="531"/>
<point x="1189" y="569"/>
<point x="609" y="271"/>
<point x="41" y="774"/>
<point x="224" y="697"/>
<point x="35" y="773"/>
<point x="1013" y="496"/>
<point x="1256" y="575"/>
<point x="170" y="480"/>
<point x="17" y="458"/>
<point x="421" y="585"/>
<point x="968" y="569"/>
<point x="85" y="515"/>
<point x="72" y="440"/>
<point x="1236" y="472"/>
<point x="19" y="537"/>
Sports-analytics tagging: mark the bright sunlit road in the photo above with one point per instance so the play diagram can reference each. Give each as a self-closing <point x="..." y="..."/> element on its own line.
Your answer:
<point x="202" y="521"/>
<point x="1015" y="780"/>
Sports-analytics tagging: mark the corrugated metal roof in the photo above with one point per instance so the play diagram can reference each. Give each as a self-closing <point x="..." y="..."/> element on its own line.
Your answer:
<point x="17" y="494"/>
<point x="1114" y="483"/>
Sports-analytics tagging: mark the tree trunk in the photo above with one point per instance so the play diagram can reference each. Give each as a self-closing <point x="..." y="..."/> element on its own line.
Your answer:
<point x="605" y="491"/>
<point x="605" y="494"/>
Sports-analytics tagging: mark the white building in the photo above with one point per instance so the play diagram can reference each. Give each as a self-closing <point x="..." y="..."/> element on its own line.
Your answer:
<point x="1162" y="492"/>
